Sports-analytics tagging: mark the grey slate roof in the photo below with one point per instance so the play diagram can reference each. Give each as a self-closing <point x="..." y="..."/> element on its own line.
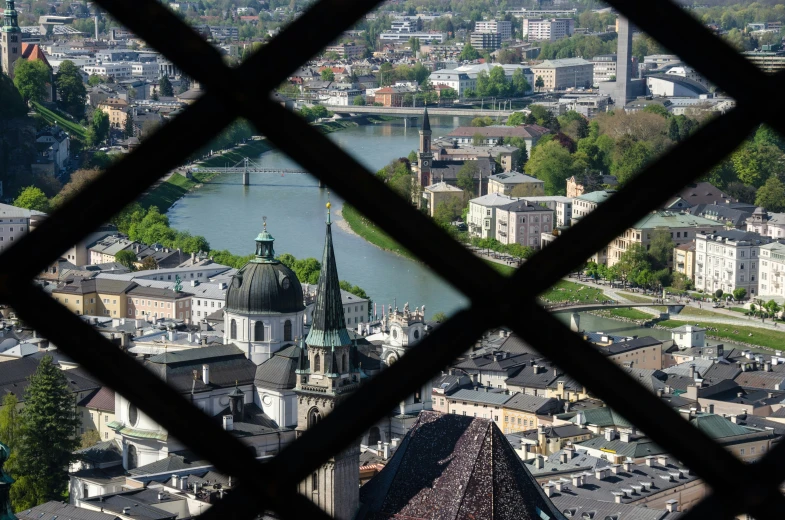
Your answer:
<point x="480" y="396"/>
<point x="277" y="373"/>
<point x="444" y="453"/>
<point x="629" y="345"/>
<point x="101" y="453"/>
<point x="140" y="501"/>
<point x="174" y="462"/>
<point x="329" y="325"/>
<point x="228" y="366"/>
<point x="637" y="448"/>
<point x="62" y="511"/>
<point x="533" y="404"/>
<point x="580" y="507"/>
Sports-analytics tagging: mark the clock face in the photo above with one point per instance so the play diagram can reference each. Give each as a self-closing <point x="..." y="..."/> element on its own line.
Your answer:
<point x="285" y="283"/>
<point x="425" y="163"/>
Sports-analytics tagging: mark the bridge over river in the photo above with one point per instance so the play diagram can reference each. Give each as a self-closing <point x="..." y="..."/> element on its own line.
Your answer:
<point x="247" y="166"/>
<point x="417" y="111"/>
<point x="575" y="308"/>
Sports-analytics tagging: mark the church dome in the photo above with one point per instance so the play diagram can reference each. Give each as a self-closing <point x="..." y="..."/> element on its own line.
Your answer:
<point x="264" y="285"/>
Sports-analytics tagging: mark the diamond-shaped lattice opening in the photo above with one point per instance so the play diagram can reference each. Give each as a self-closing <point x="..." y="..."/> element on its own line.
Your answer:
<point x="231" y="93"/>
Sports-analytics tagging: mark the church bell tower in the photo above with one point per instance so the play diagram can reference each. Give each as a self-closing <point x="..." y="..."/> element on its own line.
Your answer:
<point x="10" y="39"/>
<point x="425" y="157"/>
<point x="325" y="377"/>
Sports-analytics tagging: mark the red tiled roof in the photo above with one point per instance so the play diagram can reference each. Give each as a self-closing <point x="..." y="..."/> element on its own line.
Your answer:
<point x="101" y="399"/>
<point x="33" y="52"/>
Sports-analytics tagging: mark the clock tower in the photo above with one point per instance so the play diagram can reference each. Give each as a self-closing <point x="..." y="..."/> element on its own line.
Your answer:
<point x="325" y="377"/>
<point x="425" y="157"/>
<point x="10" y="39"/>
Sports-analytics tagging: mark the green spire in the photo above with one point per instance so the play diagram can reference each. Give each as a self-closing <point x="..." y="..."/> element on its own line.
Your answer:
<point x="10" y="23"/>
<point x="264" y="247"/>
<point x="329" y="324"/>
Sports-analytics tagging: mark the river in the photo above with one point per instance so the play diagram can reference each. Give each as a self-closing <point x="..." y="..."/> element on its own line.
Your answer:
<point x="230" y="216"/>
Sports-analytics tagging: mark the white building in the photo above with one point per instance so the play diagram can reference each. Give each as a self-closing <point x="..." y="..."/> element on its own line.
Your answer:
<point x="460" y="82"/>
<point x="561" y="206"/>
<point x="728" y="260"/>
<point x="114" y="70"/>
<point x="341" y="97"/>
<point x="14" y="223"/>
<point x="772" y="270"/>
<point x="588" y="202"/>
<point x="482" y="214"/>
<point x="60" y="145"/>
<point x="767" y="224"/>
<point x="147" y="70"/>
<point x="500" y="27"/>
<point x="424" y="37"/>
<point x="548" y="30"/>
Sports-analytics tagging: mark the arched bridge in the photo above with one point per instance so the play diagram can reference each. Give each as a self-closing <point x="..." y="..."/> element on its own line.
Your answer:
<point x="575" y="308"/>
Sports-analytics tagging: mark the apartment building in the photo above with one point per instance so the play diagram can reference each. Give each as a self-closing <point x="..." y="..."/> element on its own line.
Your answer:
<point x="682" y="227"/>
<point x="485" y="41"/>
<point x="95" y="297"/>
<point x="482" y="402"/>
<point x="684" y="260"/>
<point x="548" y="30"/>
<point x="522" y="412"/>
<point x="112" y="70"/>
<point x="482" y="214"/>
<point x="604" y="68"/>
<point x="147" y="70"/>
<point x="586" y="203"/>
<point x="728" y="260"/>
<point x="521" y="222"/>
<point x="15" y="222"/>
<point x="561" y="206"/>
<point x="767" y="224"/>
<point x="565" y="73"/>
<point x="500" y="27"/>
<point x="348" y="51"/>
<point x="96" y="412"/>
<point x="772" y="269"/>
<point x="507" y="181"/>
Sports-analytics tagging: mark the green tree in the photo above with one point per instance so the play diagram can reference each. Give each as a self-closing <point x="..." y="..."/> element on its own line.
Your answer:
<point x="129" y="125"/>
<point x="71" y="92"/>
<point x="739" y="293"/>
<point x="149" y="263"/>
<point x="328" y="75"/>
<point x="754" y="163"/>
<point x="358" y="100"/>
<point x="466" y="175"/>
<point x="629" y="158"/>
<point x="414" y="44"/>
<point x="552" y="164"/>
<point x="631" y="262"/>
<point x="520" y="85"/>
<point x="94" y="80"/>
<point x="468" y="53"/>
<point x="49" y="425"/>
<point x="99" y="127"/>
<point x="89" y="438"/>
<point x="10" y="421"/>
<point x="516" y="119"/>
<point x="31" y="78"/>
<point x="165" y="86"/>
<point x="771" y="195"/>
<point x="481" y="121"/>
<point x="126" y="258"/>
<point x="657" y="109"/>
<point x="32" y="198"/>
<point x="539" y="83"/>
<point x="661" y="247"/>
<point x="439" y="317"/>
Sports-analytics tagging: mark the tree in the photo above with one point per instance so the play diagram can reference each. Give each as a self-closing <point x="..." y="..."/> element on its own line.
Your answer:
<point x="629" y="158"/>
<point x="657" y="109"/>
<point x="468" y="53"/>
<point x="414" y="44"/>
<point x="661" y="247"/>
<point x="49" y="440"/>
<point x="718" y="293"/>
<point x="71" y="92"/>
<point x="10" y="421"/>
<point x="539" y="83"/>
<point x="31" y="78"/>
<point x="89" y="438"/>
<point x="631" y="262"/>
<point x="481" y="121"/>
<point x="771" y="195"/>
<point x="478" y="139"/>
<point x="358" y="100"/>
<point x="448" y="210"/>
<point x="755" y="162"/>
<point x="516" y="119"/>
<point x="149" y="264"/>
<point x="79" y="180"/>
<point x="128" y="131"/>
<point x="99" y="127"/>
<point x="165" y="86"/>
<point x="552" y="164"/>
<point x="126" y="258"/>
<point x="32" y="198"/>
<point x="328" y="75"/>
<point x="465" y="177"/>
<point x="94" y="80"/>
<point x="739" y="293"/>
<point x="520" y="84"/>
<point x="439" y="317"/>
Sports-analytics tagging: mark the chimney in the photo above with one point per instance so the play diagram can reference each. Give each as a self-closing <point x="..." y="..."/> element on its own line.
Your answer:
<point x="395" y="442"/>
<point x="536" y="368"/>
<point x="650" y="461"/>
<point x="692" y="372"/>
<point x="206" y="374"/>
<point x="627" y="465"/>
<point x="386" y="450"/>
<point x="160" y="496"/>
<point x="560" y="485"/>
<point x="624" y="436"/>
<point x="662" y="460"/>
<point x="564" y="457"/>
<point x="539" y="462"/>
<point x="615" y="468"/>
<point x="126" y="510"/>
<point x="659" y="392"/>
<point x="577" y="480"/>
<point x="171" y="335"/>
<point x="767" y="366"/>
<point x="610" y="434"/>
<point x="599" y="474"/>
<point x="548" y="489"/>
<point x="176" y="481"/>
<point x="566" y="406"/>
<point x="672" y="506"/>
<point x="228" y="422"/>
<point x="378" y="447"/>
<point x="184" y="482"/>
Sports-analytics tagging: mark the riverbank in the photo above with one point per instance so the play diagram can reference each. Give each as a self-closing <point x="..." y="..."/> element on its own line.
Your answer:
<point x="370" y="232"/>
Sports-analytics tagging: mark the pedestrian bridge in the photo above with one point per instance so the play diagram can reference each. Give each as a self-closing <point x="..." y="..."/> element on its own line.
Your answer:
<point x="247" y="166"/>
<point x="417" y="111"/>
<point x="575" y="308"/>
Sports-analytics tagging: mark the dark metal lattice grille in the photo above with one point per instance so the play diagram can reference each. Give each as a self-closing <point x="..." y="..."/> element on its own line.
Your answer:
<point x="736" y="487"/>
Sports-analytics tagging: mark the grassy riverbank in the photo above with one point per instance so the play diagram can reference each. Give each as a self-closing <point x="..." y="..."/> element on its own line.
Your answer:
<point x="238" y="153"/>
<point x="371" y="232"/>
<point x="168" y="192"/>
<point x="762" y="337"/>
<point x="564" y="291"/>
<point x="55" y="116"/>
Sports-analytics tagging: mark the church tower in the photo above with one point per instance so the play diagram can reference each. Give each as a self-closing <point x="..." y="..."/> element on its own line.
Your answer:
<point x="425" y="157"/>
<point x="325" y="377"/>
<point x="11" y="40"/>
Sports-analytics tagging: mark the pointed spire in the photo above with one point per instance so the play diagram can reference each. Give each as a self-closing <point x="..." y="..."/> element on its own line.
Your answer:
<point x="426" y="121"/>
<point x="329" y="324"/>
<point x="302" y="363"/>
<point x="10" y="23"/>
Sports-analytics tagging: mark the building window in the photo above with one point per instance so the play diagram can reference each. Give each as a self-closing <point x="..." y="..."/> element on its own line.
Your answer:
<point x="258" y="331"/>
<point x="317" y="363"/>
<point x="287" y="330"/>
<point x="233" y="330"/>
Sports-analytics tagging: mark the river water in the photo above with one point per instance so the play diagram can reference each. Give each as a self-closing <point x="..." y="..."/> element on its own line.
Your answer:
<point x="230" y="215"/>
